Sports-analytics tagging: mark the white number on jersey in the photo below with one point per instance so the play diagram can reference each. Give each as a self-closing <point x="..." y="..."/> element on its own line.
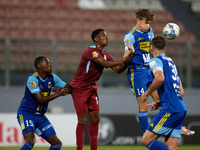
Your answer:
<point x="146" y="58"/>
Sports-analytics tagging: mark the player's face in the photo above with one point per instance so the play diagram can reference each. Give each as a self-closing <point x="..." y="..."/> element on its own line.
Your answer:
<point x="143" y="25"/>
<point x="102" y="38"/>
<point x="46" y="66"/>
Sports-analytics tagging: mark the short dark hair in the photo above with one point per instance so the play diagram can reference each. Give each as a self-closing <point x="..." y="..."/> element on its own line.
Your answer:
<point x="95" y="33"/>
<point x="158" y="42"/>
<point x="145" y="13"/>
<point x="38" y="60"/>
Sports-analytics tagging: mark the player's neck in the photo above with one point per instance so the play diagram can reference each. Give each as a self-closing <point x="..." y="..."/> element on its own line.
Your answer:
<point x="100" y="47"/>
<point x="158" y="53"/>
<point x="42" y="75"/>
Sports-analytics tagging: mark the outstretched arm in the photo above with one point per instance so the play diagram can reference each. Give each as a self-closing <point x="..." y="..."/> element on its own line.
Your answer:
<point x="129" y="54"/>
<point x="60" y="92"/>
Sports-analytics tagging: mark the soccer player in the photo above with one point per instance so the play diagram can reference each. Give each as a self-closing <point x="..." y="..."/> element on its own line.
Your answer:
<point x="84" y="85"/>
<point x="31" y="112"/>
<point x="139" y="75"/>
<point x="169" y="120"/>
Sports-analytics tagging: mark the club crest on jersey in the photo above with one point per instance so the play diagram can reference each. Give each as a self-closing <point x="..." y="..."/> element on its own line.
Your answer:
<point x="149" y="35"/>
<point x="33" y="84"/>
<point x="49" y="85"/>
<point x="95" y="54"/>
<point x="105" y="57"/>
<point x="127" y="41"/>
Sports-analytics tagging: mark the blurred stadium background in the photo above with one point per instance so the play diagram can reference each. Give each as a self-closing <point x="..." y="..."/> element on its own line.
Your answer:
<point x="61" y="30"/>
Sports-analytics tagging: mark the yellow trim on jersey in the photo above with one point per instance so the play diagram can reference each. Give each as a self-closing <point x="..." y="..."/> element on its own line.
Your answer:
<point x="22" y="121"/>
<point x="131" y="31"/>
<point x="161" y="122"/>
<point x="35" y="74"/>
<point x="132" y="80"/>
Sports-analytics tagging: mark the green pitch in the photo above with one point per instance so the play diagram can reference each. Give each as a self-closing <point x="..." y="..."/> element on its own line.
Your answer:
<point x="134" y="147"/>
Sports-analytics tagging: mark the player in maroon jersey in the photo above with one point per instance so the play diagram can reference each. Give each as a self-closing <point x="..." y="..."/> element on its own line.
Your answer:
<point x="84" y="85"/>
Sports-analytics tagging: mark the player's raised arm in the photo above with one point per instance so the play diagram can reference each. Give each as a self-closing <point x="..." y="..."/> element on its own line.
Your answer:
<point x="128" y="54"/>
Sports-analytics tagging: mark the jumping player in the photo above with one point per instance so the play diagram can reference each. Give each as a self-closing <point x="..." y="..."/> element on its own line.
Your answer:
<point x="31" y="112"/>
<point x="84" y="85"/>
<point x="139" y="75"/>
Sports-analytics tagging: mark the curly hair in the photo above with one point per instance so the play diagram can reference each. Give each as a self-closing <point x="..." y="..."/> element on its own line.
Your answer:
<point x="144" y="13"/>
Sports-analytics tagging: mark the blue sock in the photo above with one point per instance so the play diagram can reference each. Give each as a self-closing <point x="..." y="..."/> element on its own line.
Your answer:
<point x="55" y="147"/>
<point x="26" y="146"/>
<point x="143" y="118"/>
<point x="155" y="145"/>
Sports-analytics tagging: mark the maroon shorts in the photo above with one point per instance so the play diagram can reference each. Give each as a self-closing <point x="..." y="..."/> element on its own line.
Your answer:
<point x="85" y="99"/>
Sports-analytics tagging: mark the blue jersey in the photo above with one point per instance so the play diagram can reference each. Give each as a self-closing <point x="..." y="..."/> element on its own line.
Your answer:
<point x="34" y="85"/>
<point x="141" y="43"/>
<point x="169" y="92"/>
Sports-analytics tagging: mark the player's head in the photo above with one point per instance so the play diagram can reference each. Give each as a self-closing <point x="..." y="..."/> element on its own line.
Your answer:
<point x="144" y="18"/>
<point x="100" y="37"/>
<point x="157" y="45"/>
<point x="42" y="63"/>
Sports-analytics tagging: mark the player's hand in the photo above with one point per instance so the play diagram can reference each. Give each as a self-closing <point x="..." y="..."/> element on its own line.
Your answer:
<point x="154" y="106"/>
<point x="128" y="54"/>
<point x="56" y="89"/>
<point x="131" y="49"/>
<point x="64" y="91"/>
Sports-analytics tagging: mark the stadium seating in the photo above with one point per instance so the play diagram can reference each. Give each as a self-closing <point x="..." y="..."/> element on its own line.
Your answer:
<point x="65" y="20"/>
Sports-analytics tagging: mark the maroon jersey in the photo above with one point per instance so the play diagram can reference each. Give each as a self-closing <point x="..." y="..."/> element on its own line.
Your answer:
<point x="88" y="71"/>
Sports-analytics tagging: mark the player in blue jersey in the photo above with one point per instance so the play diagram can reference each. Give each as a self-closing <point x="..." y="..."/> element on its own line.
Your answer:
<point x="169" y="120"/>
<point x="139" y="75"/>
<point x="31" y="112"/>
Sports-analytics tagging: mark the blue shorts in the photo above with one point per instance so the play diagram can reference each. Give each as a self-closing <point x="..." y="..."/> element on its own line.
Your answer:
<point x="31" y="122"/>
<point x="167" y="124"/>
<point x="139" y="80"/>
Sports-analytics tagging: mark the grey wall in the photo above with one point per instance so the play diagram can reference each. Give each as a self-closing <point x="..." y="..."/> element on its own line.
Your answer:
<point x="112" y="101"/>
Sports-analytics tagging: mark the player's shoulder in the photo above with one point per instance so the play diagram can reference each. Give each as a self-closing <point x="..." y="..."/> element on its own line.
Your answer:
<point x="150" y="29"/>
<point x="92" y="47"/>
<point x="32" y="79"/>
<point x="132" y="31"/>
<point x="154" y="62"/>
<point x="34" y="75"/>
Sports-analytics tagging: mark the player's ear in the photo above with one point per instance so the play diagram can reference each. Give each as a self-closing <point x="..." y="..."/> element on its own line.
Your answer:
<point x="96" y="39"/>
<point x="39" y="66"/>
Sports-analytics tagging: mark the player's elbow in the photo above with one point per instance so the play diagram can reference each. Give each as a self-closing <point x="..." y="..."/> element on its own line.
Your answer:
<point x="160" y="80"/>
<point x="182" y="93"/>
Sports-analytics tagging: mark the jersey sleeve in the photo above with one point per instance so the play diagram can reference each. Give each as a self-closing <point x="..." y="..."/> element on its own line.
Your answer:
<point x="129" y="39"/>
<point x="32" y="84"/>
<point x="91" y="53"/>
<point x="151" y="34"/>
<point x="156" y="64"/>
<point x="58" y="82"/>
